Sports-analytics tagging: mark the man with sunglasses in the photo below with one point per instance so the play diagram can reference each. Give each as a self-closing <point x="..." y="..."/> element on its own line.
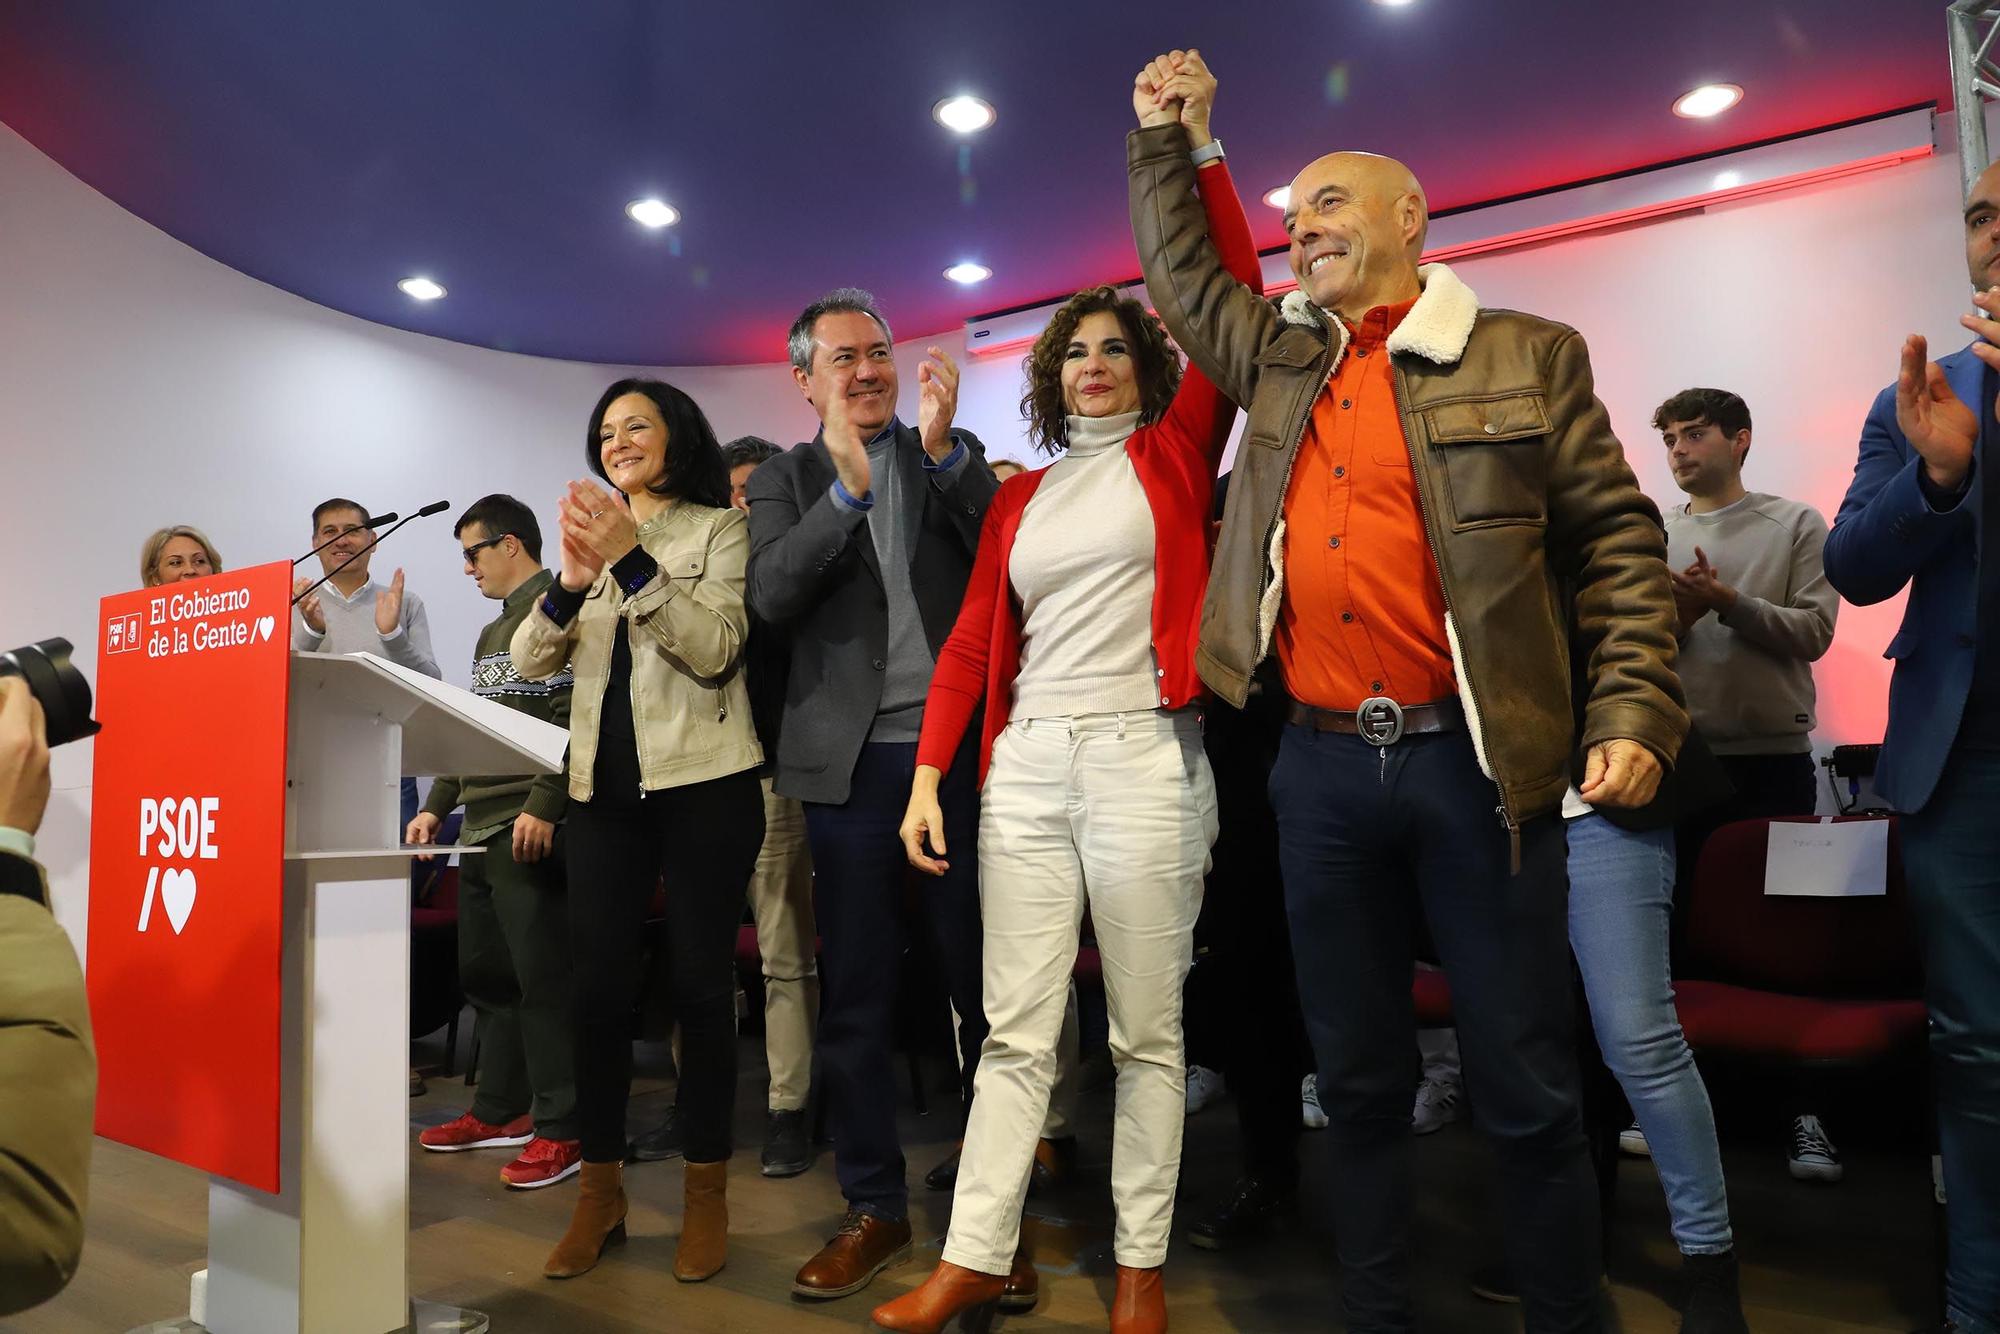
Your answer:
<point x="513" y="922"/>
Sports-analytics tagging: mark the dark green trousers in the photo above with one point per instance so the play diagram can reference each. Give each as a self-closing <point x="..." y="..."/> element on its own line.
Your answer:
<point x="514" y="966"/>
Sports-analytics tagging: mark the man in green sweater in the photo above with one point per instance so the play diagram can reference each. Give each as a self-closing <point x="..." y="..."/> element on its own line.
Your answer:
<point x="513" y="918"/>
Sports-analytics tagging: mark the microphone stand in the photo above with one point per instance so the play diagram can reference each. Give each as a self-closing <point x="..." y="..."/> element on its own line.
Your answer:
<point x="435" y="507"/>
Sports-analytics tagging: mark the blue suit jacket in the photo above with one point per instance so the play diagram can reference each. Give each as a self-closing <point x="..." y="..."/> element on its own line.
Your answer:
<point x="1887" y="535"/>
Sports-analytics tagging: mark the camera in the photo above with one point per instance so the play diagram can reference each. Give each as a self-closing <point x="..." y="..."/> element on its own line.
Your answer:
<point x="56" y="685"/>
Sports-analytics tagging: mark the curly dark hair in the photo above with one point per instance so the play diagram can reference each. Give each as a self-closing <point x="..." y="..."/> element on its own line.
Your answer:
<point x="1158" y="364"/>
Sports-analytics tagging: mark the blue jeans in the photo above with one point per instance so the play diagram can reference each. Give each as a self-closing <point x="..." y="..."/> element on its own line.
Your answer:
<point x="1951" y="857"/>
<point x="1368" y="840"/>
<point x="1621" y="893"/>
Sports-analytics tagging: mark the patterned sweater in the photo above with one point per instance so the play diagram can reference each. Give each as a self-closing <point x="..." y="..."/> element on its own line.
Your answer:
<point x="492" y="803"/>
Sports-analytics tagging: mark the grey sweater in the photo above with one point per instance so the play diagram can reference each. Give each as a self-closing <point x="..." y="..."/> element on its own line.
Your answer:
<point x="1748" y="674"/>
<point x="350" y="628"/>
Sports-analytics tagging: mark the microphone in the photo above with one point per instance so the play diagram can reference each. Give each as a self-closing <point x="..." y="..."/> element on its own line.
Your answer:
<point x="375" y="522"/>
<point x="435" y="507"/>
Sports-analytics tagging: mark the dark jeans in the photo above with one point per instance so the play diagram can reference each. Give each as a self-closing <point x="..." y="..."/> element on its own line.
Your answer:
<point x="1242" y="1000"/>
<point x="1367" y="840"/>
<point x="703" y="839"/>
<point x="1951" y="857"/>
<point x="514" y="965"/>
<point x="860" y="878"/>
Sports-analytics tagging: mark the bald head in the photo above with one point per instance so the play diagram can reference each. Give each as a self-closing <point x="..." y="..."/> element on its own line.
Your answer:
<point x="1357" y="223"/>
<point x="1982" y="229"/>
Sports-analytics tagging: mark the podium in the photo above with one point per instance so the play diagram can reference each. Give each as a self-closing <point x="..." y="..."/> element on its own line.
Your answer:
<point x="313" y="1237"/>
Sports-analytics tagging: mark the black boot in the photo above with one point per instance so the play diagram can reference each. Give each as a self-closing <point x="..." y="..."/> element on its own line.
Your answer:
<point x="786" y="1150"/>
<point x="1251" y="1206"/>
<point x="661" y="1142"/>
<point x="1713" y="1304"/>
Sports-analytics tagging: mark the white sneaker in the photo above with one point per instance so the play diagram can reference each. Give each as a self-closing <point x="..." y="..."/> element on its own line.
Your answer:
<point x="1204" y="1086"/>
<point x="1310" y="1115"/>
<point x="1439" y="1103"/>
<point x="1813" y="1157"/>
<point x="1632" y="1141"/>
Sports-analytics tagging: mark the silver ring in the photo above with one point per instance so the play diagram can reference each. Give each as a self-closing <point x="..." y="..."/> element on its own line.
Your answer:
<point x="595" y="513"/>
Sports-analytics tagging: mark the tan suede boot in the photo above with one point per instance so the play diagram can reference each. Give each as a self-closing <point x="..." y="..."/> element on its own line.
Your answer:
<point x="598" y="1221"/>
<point x="704" y="1243"/>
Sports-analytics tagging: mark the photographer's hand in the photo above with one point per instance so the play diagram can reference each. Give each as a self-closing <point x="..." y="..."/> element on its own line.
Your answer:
<point x="24" y="757"/>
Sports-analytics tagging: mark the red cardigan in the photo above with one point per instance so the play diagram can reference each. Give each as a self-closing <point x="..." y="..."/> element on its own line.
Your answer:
<point x="1176" y="459"/>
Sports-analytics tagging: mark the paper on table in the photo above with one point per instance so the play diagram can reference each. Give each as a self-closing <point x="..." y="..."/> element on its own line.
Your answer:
<point x="1827" y="860"/>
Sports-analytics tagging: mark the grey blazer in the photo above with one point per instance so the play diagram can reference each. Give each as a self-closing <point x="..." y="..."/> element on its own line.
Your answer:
<point x="815" y="577"/>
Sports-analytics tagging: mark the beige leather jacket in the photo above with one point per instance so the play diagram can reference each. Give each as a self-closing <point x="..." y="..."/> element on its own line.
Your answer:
<point x="686" y="627"/>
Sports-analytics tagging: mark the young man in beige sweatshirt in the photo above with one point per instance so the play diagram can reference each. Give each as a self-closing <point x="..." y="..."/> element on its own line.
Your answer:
<point x="1756" y="612"/>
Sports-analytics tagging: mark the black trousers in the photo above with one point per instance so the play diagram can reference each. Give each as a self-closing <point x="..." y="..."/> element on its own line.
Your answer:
<point x="1368" y="839"/>
<point x="702" y="839"/>
<point x="1242" y="999"/>
<point x="860" y="880"/>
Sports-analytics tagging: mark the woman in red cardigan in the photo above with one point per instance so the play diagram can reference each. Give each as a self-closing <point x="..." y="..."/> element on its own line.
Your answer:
<point x="1077" y="632"/>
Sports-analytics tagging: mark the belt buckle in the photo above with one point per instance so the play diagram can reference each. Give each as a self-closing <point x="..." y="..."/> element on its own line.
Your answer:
<point x="1379" y="720"/>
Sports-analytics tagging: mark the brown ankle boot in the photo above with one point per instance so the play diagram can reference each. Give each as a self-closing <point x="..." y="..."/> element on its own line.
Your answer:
<point x="949" y="1291"/>
<point x="704" y="1243"/>
<point x="1140" y="1304"/>
<point x="598" y="1221"/>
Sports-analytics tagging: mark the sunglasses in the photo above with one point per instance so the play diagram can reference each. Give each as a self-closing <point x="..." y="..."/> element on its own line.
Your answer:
<point x="471" y="553"/>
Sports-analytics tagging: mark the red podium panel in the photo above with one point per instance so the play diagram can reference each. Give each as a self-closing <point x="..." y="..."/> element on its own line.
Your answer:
<point x="187" y="835"/>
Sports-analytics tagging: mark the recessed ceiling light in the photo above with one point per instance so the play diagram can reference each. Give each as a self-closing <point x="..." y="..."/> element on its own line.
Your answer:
<point x="1393" y="4"/>
<point x="968" y="273"/>
<point x="1728" y="180"/>
<point x="1279" y="198"/>
<point x="1711" y="99"/>
<point x="422" y="289"/>
<point x="964" y="115"/>
<point x="654" y="213"/>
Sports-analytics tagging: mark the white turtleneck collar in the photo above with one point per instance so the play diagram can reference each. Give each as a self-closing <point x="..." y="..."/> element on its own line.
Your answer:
<point x="1095" y="435"/>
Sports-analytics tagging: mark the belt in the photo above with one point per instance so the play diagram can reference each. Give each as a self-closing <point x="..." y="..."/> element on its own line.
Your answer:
<point x="1381" y="721"/>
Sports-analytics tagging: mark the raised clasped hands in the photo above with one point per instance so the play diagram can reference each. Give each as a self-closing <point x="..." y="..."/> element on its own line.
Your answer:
<point x="1176" y="86"/>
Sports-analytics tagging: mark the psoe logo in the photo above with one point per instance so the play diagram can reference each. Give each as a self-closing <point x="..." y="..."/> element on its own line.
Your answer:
<point x="175" y="829"/>
<point x="121" y="634"/>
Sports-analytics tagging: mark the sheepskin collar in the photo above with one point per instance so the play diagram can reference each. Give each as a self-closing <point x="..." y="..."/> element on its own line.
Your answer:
<point x="1436" y="328"/>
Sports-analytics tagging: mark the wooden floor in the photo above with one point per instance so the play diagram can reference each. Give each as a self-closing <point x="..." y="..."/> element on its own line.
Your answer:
<point x="1844" y="1259"/>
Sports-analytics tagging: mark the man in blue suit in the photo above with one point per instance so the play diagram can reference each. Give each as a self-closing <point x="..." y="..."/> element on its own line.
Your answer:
<point x="1920" y="512"/>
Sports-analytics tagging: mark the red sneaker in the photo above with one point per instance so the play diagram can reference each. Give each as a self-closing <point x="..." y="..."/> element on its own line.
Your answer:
<point x="469" y="1132"/>
<point x="543" y="1163"/>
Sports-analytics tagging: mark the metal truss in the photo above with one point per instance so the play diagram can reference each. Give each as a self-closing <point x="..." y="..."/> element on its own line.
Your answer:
<point x="1975" y="79"/>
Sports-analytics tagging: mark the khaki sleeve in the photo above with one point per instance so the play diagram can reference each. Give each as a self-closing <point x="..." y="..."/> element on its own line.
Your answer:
<point x="48" y="1098"/>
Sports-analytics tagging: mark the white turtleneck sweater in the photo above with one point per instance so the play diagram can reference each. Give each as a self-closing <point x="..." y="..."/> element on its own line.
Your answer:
<point x="1082" y="565"/>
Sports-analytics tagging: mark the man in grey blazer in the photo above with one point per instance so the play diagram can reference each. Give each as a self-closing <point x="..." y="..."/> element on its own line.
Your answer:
<point x="861" y="544"/>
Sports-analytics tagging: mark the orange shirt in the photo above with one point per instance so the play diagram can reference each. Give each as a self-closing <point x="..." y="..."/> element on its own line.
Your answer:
<point x="1363" y="607"/>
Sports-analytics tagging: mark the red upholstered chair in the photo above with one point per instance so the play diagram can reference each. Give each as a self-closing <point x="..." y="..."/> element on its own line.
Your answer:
<point x="435" y="998"/>
<point x="1431" y="994"/>
<point x="1828" y="982"/>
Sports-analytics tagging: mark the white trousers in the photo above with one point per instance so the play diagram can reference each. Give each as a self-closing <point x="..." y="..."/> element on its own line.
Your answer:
<point x="1115" y="812"/>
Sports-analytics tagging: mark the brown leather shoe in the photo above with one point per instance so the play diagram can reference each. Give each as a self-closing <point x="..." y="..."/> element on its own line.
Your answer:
<point x="1024" y="1285"/>
<point x="704" y="1243"/>
<point x="1054" y="1164"/>
<point x="863" y="1247"/>
<point x="597" y="1221"/>
<point x="1140" y="1304"/>
<point x="950" y="1291"/>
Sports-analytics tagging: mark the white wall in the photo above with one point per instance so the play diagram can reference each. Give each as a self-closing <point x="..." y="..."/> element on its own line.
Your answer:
<point x="141" y="384"/>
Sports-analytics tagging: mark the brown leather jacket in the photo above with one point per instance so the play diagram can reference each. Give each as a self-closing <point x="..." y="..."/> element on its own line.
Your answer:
<point x="1520" y="479"/>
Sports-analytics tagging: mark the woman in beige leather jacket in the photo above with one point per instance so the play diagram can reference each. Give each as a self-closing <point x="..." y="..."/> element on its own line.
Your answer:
<point x="647" y="611"/>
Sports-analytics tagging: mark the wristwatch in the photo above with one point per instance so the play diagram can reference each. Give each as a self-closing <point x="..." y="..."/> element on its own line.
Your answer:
<point x="1207" y="153"/>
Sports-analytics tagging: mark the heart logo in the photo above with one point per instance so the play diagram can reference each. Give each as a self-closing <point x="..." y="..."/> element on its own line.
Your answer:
<point x="177" y="896"/>
<point x="265" y="625"/>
